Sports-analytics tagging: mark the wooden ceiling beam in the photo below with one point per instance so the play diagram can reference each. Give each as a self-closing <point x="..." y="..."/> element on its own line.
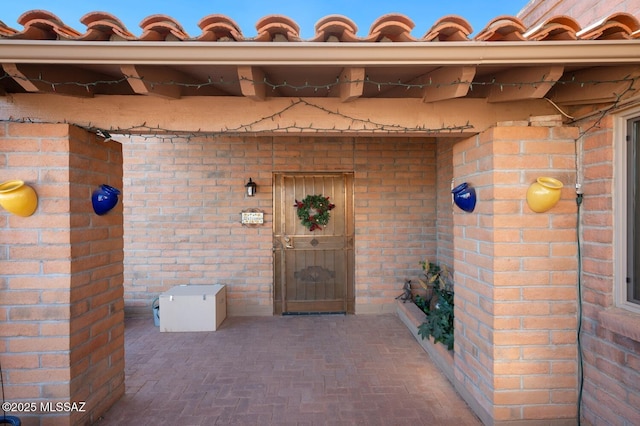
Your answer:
<point x="252" y="82"/>
<point x="524" y="83"/>
<point x="596" y="85"/>
<point x="447" y="83"/>
<point x="351" y="83"/>
<point x="154" y="81"/>
<point x="167" y="82"/>
<point x="63" y="80"/>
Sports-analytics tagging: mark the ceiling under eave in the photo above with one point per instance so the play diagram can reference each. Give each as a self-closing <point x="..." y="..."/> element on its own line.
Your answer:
<point x="505" y="62"/>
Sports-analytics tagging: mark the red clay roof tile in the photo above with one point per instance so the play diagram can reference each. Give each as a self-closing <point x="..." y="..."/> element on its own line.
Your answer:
<point x="503" y="28"/>
<point x="617" y="26"/>
<point x="449" y="28"/>
<point x="336" y="28"/>
<point x="277" y="28"/>
<point x="102" y="26"/>
<point x="40" y="24"/>
<point x="219" y="27"/>
<point x="162" y="27"/>
<point x="6" y="31"/>
<point x="392" y="27"/>
<point x="555" y="28"/>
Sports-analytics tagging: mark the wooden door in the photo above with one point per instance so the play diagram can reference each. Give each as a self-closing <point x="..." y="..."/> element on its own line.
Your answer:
<point x="314" y="270"/>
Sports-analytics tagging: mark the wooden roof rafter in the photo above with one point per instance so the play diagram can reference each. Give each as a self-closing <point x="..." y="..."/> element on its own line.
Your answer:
<point x="62" y="80"/>
<point x="524" y="83"/>
<point x="597" y="85"/>
<point x="447" y="83"/>
<point x="164" y="82"/>
<point x="505" y="62"/>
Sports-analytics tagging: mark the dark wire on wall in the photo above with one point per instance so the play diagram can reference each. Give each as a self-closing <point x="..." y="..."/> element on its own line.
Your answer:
<point x="4" y="412"/>
<point x="579" y="331"/>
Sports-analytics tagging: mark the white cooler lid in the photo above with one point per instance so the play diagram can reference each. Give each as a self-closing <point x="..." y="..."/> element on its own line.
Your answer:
<point x="193" y="290"/>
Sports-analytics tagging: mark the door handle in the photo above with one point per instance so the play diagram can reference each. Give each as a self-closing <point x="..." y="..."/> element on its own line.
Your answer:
<point x="288" y="242"/>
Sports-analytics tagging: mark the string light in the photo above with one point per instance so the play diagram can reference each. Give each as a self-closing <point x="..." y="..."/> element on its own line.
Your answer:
<point x="600" y="115"/>
<point x="355" y="124"/>
<point x="315" y="87"/>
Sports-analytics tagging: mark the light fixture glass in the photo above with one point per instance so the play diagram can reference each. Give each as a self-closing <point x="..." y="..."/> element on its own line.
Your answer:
<point x="251" y="187"/>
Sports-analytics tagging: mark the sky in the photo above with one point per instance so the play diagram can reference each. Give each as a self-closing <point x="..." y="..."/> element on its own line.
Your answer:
<point x="424" y="13"/>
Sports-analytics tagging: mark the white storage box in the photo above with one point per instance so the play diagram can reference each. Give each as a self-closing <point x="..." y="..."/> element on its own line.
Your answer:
<point x="193" y="308"/>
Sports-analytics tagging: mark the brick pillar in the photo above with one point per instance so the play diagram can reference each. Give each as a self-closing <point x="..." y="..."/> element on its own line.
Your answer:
<point x="61" y="306"/>
<point x="516" y="278"/>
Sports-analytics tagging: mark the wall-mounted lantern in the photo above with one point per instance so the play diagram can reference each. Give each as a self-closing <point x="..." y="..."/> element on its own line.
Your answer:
<point x="251" y="187"/>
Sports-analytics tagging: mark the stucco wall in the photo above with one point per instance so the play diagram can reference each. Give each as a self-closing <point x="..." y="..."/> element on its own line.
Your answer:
<point x="183" y="199"/>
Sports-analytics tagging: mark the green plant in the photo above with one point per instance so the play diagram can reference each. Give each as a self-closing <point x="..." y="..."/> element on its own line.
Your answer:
<point x="439" y="320"/>
<point x="421" y="303"/>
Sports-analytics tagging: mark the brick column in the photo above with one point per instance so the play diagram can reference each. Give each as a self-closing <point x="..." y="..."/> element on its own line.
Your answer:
<point x="515" y="278"/>
<point x="61" y="306"/>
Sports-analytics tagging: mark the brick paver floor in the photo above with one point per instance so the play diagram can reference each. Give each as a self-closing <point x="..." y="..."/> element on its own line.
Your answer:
<point x="294" y="370"/>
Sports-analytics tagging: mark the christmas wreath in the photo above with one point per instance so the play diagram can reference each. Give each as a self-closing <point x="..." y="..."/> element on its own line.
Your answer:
<point x="313" y="211"/>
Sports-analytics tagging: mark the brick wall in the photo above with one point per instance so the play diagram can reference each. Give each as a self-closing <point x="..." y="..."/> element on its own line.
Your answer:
<point x="395" y="208"/>
<point x="611" y="360"/>
<point x="96" y="328"/>
<point x="182" y="205"/>
<point x="61" y="307"/>
<point x="515" y="277"/>
<point x="586" y="12"/>
<point x="445" y="213"/>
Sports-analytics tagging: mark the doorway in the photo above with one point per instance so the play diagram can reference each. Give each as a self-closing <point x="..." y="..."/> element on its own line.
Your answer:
<point x="313" y="265"/>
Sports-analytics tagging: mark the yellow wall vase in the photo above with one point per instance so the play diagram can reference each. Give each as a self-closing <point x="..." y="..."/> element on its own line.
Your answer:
<point x="543" y="194"/>
<point x="18" y="198"/>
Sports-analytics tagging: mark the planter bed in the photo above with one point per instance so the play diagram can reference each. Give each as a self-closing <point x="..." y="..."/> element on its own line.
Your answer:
<point x="412" y="317"/>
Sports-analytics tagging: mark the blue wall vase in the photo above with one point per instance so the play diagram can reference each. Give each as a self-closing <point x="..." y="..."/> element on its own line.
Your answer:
<point x="104" y="199"/>
<point x="465" y="197"/>
<point x="10" y="420"/>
